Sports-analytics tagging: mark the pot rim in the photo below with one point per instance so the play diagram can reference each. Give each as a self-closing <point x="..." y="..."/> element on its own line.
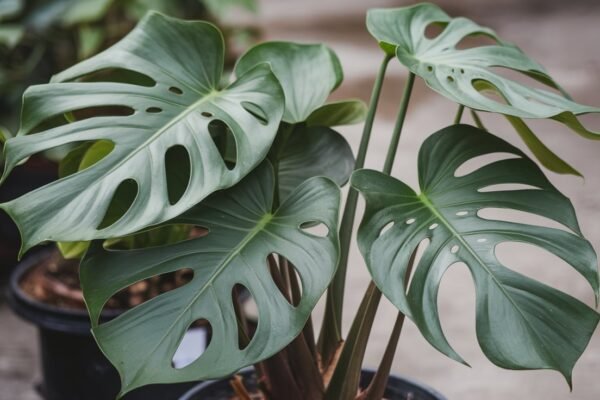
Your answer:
<point x="400" y="378"/>
<point x="42" y="314"/>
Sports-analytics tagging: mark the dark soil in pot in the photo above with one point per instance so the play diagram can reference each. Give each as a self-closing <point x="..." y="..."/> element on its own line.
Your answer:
<point x="398" y="388"/>
<point x="44" y="289"/>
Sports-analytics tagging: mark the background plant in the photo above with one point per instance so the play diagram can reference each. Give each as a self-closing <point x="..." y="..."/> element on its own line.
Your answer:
<point x="41" y="38"/>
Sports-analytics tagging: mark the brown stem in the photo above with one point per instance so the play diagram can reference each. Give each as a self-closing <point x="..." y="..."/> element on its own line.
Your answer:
<point x="239" y="388"/>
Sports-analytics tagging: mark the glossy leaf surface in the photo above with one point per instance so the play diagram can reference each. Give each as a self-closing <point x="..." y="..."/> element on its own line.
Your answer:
<point x="345" y="112"/>
<point x="462" y="74"/>
<point x="313" y="151"/>
<point x="176" y="101"/>
<point x="308" y="73"/>
<point x="243" y="231"/>
<point x="521" y="323"/>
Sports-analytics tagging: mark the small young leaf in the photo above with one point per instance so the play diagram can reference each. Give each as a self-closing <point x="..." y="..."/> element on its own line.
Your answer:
<point x="345" y="112"/>
<point x="308" y="73"/>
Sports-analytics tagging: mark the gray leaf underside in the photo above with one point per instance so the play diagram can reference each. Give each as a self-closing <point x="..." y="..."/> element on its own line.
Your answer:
<point x="242" y="233"/>
<point x="180" y="56"/>
<point x="521" y="323"/>
<point x="453" y="72"/>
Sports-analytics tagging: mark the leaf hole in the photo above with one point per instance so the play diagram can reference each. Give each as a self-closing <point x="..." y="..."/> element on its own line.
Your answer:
<point x="475" y="163"/>
<point x="81" y="156"/>
<point x="121" y="202"/>
<point x="481" y="240"/>
<point x="524" y="78"/>
<point x="224" y="140"/>
<point x="419" y="253"/>
<point x="449" y="78"/>
<point x="206" y="114"/>
<point x="81" y="114"/>
<point x="244" y="305"/>
<point x="118" y="75"/>
<point x="315" y="228"/>
<point x="507" y="187"/>
<point x="144" y="290"/>
<point x="434" y="30"/>
<point x="433" y="226"/>
<point x="454" y="249"/>
<point x="489" y="91"/>
<point x="101" y="111"/>
<point x="154" y="110"/>
<point x="462" y="213"/>
<point x="410" y="221"/>
<point x="286" y="278"/>
<point x="386" y="228"/>
<point x="256" y="112"/>
<point x="178" y="170"/>
<point x="176" y="90"/>
<point x="519" y="217"/>
<point x="541" y="265"/>
<point x="430" y="68"/>
<point x="192" y="344"/>
<point x="156" y="237"/>
<point x="475" y="40"/>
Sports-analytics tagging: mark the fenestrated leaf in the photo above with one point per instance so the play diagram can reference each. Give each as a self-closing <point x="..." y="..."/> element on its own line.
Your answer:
<point x="455" y="72"/>
<point x="521" y="323"/>
<point x="243" y="231"/>
<point x="313" y="151"/>
<point x="308" y="73"/>
<point x="345" y="112"/>
<point x="185" y="60"/>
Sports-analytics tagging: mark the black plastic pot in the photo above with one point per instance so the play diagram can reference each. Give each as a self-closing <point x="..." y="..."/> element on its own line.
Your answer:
<point x="398" y="388"/>
<point x="37" y="172"/>
<point x="73" y="367"/>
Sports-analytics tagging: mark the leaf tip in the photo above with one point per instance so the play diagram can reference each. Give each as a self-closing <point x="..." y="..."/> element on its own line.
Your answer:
<point x="568" y="375"/>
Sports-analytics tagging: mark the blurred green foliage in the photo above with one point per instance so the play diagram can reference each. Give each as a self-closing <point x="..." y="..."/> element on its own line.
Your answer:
<point x="39" y="38"/>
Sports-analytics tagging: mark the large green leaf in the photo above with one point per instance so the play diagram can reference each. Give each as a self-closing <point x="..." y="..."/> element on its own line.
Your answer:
<point x="185" y="60"/>
<point x="308" y="74"/>
<point x="243" y="231"/>
<point x="313" y="151"/>
<point x="456" y="73"/>
<point x="521" y="323"/>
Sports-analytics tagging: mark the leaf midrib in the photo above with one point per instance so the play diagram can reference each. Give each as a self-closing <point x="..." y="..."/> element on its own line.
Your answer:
<point x="260" y="225"/>
<point x="458" y="236"/>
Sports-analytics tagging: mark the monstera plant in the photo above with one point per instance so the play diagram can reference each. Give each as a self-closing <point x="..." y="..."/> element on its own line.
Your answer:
<point x="164" y="138"/>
